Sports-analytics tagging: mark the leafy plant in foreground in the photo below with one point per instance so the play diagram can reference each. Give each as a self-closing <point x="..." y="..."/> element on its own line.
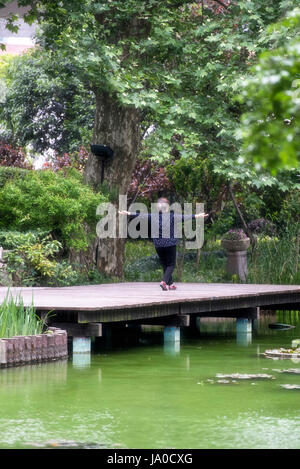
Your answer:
<point x="17" y="319"/>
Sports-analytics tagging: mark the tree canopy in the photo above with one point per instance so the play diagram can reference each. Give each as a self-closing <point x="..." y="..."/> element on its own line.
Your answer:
<point x="179" y="62"/>
<point x="166" y="76"/>
<point x="271" y="128"/>
<point x="46" y="104"/>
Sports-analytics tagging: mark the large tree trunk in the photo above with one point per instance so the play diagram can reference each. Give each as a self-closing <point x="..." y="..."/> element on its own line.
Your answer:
<point x="118" y="127"/>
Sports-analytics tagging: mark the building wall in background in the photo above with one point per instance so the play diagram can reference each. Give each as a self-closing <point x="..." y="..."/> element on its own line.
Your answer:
<point x="19" y="42"/>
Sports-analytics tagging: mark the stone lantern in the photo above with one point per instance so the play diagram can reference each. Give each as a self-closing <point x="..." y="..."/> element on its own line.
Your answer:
<point x="236" y="243"/>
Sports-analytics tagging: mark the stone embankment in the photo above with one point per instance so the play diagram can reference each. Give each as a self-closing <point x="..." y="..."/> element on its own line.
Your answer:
<point x="22" y="350"/>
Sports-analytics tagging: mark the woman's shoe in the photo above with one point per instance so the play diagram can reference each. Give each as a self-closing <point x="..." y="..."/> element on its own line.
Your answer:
<point x="163" y="285"/>
<point x="172" y="287"/>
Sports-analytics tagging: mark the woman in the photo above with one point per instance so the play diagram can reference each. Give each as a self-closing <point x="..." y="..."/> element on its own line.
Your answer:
<point x="165" y="246"/>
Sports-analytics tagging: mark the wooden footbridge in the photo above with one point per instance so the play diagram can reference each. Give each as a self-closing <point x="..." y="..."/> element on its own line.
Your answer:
<point x="82" y="310"/>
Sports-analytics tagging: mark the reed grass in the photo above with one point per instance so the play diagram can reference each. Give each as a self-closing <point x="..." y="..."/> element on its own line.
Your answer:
<point x="142" y="265"/>
<point x="275" y="261"/>
<point x="16" y="319"/>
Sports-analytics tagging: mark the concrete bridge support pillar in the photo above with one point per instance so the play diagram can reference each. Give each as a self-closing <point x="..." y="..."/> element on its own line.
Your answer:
<point x="172" y="340"/>
<point x="81" y="351"/>
<point x="246" y="324"/>
<point x="82" y="344"/>
<point x="243" y="331"/>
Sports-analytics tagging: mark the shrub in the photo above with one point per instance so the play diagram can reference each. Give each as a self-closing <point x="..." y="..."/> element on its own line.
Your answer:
<point x="12" y="156"/>
<point x="31" y="259"/>
<point x="57" y="202"/>
<point x="261" y="225"/>
<point x="149" y="180"/>
<point x="289" y="215"/>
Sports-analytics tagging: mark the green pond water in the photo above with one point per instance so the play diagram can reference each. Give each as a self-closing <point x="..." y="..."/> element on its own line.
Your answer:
<point x="147" y="395"/>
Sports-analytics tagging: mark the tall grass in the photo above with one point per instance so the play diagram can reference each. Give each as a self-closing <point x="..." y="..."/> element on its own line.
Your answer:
<point x="275" y="261"/>
<point x="16" y="319"/>
<point x="142" y="265"/>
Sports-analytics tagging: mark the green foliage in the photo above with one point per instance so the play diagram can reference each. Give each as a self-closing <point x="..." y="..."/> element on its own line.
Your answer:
<point x="277" y="210"/>
<point x="59" y="203"/>
<point x="142" y="263"/>
<point x="276" y="260"/>
<point x="194" y="180"/>
<point x="16" y="319"/>
<point x="257" y="178"/>
<point x="179" y="63"/>
<point x="182" y="66"/>
<point x="29" y="250"/>
<point x="211" y="269"/>
<point x="30" y="259"/>
<point x="200" y="183"/>
<point x="45" y="104"/>
<point x="288" y="217"/>
<point x="270" y="127"/>
<point x="5" y="60"/>
<point x="11" y="173"/>
<point x="225" y="220"/>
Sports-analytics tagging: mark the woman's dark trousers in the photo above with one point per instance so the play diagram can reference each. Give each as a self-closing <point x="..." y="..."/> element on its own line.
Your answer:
<point x="167" y="256"/>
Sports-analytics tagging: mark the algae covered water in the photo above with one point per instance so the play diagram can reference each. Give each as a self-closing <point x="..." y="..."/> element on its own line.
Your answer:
<point x="213" y="393"/>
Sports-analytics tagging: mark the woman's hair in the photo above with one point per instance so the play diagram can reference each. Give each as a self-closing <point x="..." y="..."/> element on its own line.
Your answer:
<point x="163" y="204"/>
<point x="164" y="200"/>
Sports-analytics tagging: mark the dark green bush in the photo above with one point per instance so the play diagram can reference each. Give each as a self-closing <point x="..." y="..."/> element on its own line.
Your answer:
<point x="57" y="202"/>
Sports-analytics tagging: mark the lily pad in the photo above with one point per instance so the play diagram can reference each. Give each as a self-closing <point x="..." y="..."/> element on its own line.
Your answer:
<point x="221" y="381"/>
<point x="245" y="376"/>
<point x="283" y="353"/>
<point x="290" y="386"/>
<point x="294" y="371"/>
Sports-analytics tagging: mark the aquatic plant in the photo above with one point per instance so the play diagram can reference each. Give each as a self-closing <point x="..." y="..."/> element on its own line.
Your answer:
<point x="276" y="260"/>
<point x="17" y="319"/>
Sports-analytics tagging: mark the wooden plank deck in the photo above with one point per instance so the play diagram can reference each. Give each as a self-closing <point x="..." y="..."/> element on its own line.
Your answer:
<point x="139" y="300"/>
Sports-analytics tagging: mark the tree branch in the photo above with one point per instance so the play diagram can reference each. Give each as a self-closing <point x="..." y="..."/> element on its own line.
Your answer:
<point x="241" y="215"/>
